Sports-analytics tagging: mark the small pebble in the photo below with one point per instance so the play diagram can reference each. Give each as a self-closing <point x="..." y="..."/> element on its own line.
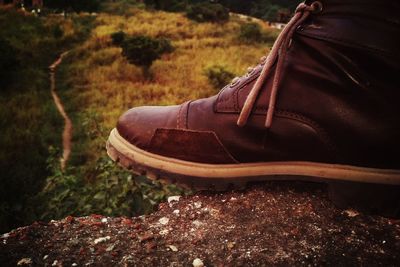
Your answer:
<point x="45" y="257"/>
<point x="163" y="232"/>
<point x="55" y="263"/>
<point x="173" y="248"/>
<point x="5" y="235"/>
<point x="176" y="212"/>
<point x="163" y="220"/>
<point x="351" y="213"/>
<point x="104" y="220"/>
<point x="74" y="264"/>
<point x="110" y="248"/>
<point x="102" y="239"/>
<point x="197" y="205"/>
<point x="230" y="245"/>
<point x="173" y="198"/>
<point x="24" y="261"/>
<point x="197" y="223"/>
<point x="198" y="263"/>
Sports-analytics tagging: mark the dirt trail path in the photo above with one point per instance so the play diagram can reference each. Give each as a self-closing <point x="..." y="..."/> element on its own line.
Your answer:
<point x="67" y="133"/>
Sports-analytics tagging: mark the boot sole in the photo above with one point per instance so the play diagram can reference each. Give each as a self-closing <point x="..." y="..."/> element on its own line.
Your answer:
<point x="220" y="177"/>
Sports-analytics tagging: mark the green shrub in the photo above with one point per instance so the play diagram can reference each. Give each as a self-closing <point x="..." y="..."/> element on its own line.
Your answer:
<point x="208" y="12"/>
<point x="165" y="45"/>
<point x="57" y="32"/>
<point x="118" y="37"/>
<point x="218" y="76"/>
<point x="76" y="5"/>
<point x="166" y="5"/>
<point x="143" y="50"/>
<point x="250" y="32"/>
<point x="102" y="188"/>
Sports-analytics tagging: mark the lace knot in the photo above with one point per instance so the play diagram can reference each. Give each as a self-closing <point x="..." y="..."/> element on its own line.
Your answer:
<point x="277" y="53"/>
<point x="315" y="7"/>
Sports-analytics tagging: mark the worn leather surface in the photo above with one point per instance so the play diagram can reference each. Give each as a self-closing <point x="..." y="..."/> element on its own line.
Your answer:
<point x="337" y="102"/>
<point x="198" y="146"/>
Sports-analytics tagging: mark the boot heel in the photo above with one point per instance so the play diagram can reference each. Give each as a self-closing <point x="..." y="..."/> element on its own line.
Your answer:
<point x="375" y="199"/>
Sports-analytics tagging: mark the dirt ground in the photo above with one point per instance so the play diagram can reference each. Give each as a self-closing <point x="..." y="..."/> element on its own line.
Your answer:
<point x="279" y="224"/>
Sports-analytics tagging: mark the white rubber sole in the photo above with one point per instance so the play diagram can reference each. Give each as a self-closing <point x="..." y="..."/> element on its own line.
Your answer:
<point x="208" y="175"/>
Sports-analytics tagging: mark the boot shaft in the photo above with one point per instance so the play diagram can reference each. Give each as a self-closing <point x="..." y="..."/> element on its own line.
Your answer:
<point x="341" y="78"/>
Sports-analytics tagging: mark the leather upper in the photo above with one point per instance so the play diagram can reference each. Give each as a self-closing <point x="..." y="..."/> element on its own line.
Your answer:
<point x="337" y="102"/>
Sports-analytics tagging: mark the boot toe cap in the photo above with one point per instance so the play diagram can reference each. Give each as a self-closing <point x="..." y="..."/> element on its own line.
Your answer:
<point x="138" y="125"/>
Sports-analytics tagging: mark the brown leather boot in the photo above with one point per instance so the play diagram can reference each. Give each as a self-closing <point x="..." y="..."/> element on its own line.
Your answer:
<point x="323" y="106"/>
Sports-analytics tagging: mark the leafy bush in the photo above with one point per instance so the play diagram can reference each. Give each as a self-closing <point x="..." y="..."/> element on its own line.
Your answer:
<point x="166" y="5"/>
<point x="218" y="76"/>
<point x="143" y="50"/>
<point x="124" y="8"/>
<point x="118" y="37"/>
<point x="102" y="188"/>
<point x="208" y="12"/>
<point x="250" y="32"/>
<point x="76" y="5"/>
<point x="58" y="31"/>
<point x="114" y="192"/>
<point x="165" y="45"/>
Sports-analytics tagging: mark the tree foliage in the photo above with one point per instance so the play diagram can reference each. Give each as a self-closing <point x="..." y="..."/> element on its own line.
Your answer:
<point x="218" y="76"/>
<point x="76" y="5"/>
<point x="167" y="5"/>
<point x="271" y="10"/>
<point x="208" y="12"/>
<point x="118" y="37"/>
<point x="250" y="32"/>
<point x="143" y="50"/>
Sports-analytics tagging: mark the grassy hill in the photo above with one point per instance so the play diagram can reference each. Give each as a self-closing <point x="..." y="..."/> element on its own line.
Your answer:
<point x="97" y="84"/>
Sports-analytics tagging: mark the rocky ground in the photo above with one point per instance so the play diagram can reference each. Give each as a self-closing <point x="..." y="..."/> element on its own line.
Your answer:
<point x="286" y="224"/>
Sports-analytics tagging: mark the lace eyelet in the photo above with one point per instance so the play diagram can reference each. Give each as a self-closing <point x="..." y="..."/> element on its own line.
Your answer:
<point x="317" y="7"/>
<point x="234" y="82"/>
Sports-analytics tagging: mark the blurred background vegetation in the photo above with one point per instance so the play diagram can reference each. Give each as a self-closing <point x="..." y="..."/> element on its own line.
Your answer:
<point x="192" y="49"/>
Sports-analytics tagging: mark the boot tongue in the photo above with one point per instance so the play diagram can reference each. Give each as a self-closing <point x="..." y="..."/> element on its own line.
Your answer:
<point x="228" y="100"/>
<point x="230" y="96"/>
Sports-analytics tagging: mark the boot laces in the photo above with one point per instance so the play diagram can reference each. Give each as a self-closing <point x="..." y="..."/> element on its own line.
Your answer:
<point x="277" y="53"/>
